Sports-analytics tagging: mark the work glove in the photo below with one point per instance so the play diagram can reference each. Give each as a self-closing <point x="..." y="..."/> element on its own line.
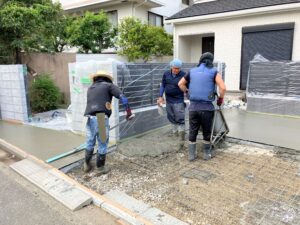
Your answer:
<point x="220" y="101"/>
<point x="128" y="113"/>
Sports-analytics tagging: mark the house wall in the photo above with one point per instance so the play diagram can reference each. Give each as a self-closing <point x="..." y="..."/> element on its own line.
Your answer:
<point x="170" y="8"/>
<point x="126" y="10"/>
<point x="190" y="48"/>
<point x="228" y="40"/>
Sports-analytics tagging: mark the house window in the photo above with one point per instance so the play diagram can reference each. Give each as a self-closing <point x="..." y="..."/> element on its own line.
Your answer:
<point x="113" y="17"/>
<point x="155" y="19"/>
<point x="186" y="2"/>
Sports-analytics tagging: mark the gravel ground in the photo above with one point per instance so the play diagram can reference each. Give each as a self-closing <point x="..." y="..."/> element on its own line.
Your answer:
<point x="243" y="184"/>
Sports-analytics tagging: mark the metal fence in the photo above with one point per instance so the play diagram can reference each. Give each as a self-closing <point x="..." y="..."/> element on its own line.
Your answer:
<point x="141" y="82"/>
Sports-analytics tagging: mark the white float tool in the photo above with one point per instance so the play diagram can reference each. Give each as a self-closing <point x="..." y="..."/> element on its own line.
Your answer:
<point x="160" y="109"/>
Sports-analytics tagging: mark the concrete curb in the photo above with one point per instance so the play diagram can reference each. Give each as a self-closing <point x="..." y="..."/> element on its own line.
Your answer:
<point x="105" y="203"/>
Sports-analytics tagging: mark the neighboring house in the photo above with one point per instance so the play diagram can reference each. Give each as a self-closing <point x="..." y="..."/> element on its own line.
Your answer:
<point x="168" y="9"/>
<point x="152" y="12"/>
<point x="116" y="9"/>
<point x="235" y="30"/>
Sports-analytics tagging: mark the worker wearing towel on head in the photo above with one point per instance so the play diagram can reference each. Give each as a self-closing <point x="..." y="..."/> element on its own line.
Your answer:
<point x="174" y="99"/>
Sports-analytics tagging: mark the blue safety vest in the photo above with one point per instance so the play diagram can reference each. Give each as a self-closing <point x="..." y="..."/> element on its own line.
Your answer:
<point x="202" y="83"/>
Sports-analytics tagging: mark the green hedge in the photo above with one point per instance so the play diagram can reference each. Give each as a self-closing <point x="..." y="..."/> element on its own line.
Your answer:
<point x="44" y="94"/>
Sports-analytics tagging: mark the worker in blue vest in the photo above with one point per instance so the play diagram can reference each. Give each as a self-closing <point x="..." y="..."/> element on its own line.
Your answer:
<point x="174" y="99"/>
<point x="202" y="81"/>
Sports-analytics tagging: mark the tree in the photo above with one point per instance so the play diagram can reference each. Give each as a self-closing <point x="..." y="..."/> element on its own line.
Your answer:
<point x="161" y="43"/>
<point x="54" y="34"/>
<point x="62" y="36"/>
<point x="30" y="25"/>
<point x="137" y="40"/>
<point x="131" y="35"/>
<point x="92" y="32"/>
<point x="17" y="24"/>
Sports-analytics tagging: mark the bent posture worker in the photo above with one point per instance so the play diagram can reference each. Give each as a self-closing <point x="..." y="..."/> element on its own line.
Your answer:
<point x="202" y="81"/>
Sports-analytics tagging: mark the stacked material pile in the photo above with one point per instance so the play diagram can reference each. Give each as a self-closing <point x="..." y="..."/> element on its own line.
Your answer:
<point x="274" y="87"/>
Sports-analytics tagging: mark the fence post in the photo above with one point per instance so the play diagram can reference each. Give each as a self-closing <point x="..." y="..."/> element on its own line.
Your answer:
<point x="152" y="84"/>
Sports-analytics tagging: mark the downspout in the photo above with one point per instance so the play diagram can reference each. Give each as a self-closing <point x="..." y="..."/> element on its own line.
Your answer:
<point x="138" y="5"/>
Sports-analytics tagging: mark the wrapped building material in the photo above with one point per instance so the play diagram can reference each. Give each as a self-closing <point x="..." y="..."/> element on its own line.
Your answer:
<point x="274" y="87"/>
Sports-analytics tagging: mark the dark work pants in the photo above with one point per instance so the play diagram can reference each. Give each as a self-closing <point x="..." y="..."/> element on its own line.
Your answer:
<point x="203" y="119"/>
<point x="175" y="113"/>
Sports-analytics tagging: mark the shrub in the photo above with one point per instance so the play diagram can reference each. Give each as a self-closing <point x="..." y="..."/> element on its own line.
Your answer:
<point x="44" y="94"/>
<point x="138" y="40"/>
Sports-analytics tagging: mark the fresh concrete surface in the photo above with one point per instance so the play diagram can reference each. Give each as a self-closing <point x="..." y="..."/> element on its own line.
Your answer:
<point x="40" y="142"/>
<point x="262" y="128"/>
<point x="66" y="193"/>
<point x="26" y="204"/>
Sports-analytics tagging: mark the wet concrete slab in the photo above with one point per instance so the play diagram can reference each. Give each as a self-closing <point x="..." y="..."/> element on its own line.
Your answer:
<point x="40" y="142"/>
<point x="262" y="128"/>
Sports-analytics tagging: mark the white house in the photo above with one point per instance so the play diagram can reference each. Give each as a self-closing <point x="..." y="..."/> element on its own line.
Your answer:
<point x="169" y="8"/>
<point x="152" y="12"/>
<point x="235" y="30"/>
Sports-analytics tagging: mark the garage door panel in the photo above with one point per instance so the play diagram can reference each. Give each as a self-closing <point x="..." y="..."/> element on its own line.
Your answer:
<point x="273" y="45"/>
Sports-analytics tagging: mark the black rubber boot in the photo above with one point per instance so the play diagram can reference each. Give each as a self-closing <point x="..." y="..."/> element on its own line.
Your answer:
<point x="100" y="163"/>
<point x="87" y="161"/>
<point x="206" y="151"/>
<point x="181" y="140"/>
<point x="192" y="152"/>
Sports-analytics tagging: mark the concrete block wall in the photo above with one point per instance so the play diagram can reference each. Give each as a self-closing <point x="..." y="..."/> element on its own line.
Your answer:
<point x="13" y="93"/>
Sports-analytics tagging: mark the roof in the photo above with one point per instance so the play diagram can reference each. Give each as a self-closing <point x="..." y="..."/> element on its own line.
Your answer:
<point x="78" y="4"/>
<point x="223" y="6"/>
